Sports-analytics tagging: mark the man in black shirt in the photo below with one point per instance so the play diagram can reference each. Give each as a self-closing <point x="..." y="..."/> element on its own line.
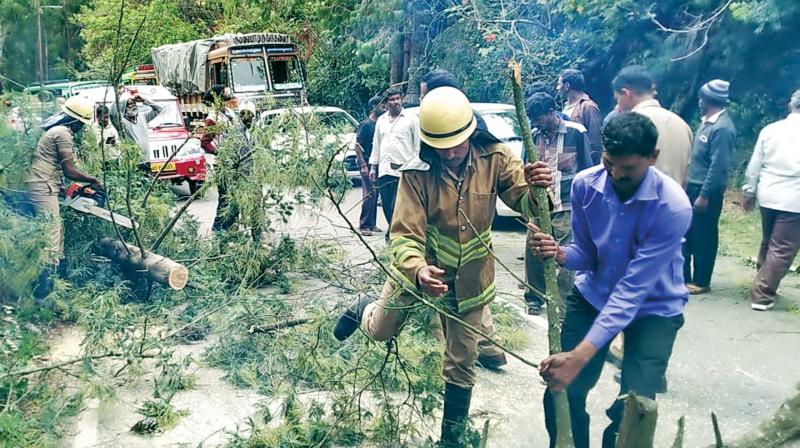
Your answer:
<point x="369" y="195"/>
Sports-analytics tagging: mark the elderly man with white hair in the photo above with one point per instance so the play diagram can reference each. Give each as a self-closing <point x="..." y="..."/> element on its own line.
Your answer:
<point x="773" y="179"/>
<point x="132" y="119"/>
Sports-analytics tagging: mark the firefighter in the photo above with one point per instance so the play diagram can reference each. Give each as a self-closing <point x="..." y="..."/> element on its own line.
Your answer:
<point x="439" y="239"/>
<point x="54" y="159"/>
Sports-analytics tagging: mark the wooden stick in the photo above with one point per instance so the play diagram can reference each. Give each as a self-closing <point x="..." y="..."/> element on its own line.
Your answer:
<point x="563" y="426"/>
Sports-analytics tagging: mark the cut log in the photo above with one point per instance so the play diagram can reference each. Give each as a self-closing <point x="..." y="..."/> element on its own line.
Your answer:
<point x="158" y="268"/>
<point x="638" y="423"/>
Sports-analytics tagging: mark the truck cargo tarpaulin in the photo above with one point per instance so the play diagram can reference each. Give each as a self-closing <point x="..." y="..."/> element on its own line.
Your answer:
<point x="182" y="67"/>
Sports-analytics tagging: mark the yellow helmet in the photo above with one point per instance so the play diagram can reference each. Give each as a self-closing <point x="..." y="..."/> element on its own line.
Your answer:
<point x="446" y="118"/>
<point x="78" y="108"/>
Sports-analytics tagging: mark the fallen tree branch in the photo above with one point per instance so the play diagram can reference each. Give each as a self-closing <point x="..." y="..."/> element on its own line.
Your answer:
<point x="60" y="365"/>
<point x="268" y="328"/>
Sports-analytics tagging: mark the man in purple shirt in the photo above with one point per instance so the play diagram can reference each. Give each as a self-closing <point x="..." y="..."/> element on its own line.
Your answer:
<point x="628" y="223"/>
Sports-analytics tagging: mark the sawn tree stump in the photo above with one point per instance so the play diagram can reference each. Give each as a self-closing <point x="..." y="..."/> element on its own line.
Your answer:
<point x="158" y="268"/>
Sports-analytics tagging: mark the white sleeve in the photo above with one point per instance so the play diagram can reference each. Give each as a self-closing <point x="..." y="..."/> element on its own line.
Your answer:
<point x="754" y="167"/>
<point x="375" y="156"/>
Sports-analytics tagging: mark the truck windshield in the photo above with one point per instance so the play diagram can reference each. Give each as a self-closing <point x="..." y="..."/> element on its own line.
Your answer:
<point x="170" y="116"/>
<point x="249" y="74"/>
<point x="285" y="73"/>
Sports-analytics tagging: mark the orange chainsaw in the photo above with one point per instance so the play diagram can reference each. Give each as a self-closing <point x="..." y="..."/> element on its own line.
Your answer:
<point x="85" y="199"/>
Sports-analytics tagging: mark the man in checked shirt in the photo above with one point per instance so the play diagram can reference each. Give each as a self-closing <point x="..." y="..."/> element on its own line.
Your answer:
<point x="564" y="145"/>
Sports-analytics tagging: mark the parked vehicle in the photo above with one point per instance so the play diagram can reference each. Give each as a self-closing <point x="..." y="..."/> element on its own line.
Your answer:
<point x="50" y="91"/>
<point x="340" y="125"/>
<point x="501" y="120"/>
<point x="144" y="75"/>
<point x="253" y="67"/>
<point x="166" y="134"/>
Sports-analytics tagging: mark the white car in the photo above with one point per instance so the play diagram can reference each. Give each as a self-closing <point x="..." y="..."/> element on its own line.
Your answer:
<point x="501" y="120"/>
<point x="341" y="124"/>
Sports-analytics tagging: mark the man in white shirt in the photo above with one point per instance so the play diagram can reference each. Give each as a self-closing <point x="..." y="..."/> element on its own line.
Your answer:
<point x="634" y="92"/>
<point x="395" y="143"/>
<point x="773" y="179"/>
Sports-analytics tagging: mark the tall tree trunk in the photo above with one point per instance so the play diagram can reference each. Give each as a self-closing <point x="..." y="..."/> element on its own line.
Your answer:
<point x="563" y="426"/>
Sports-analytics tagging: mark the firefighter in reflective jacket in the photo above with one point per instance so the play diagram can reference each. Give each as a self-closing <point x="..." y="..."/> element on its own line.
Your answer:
<point x="440" y="238"/>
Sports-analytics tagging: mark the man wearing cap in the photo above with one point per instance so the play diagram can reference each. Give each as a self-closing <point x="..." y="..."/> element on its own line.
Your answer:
<point x="53" y="159"/>
<point x="773" y="179"/>
<point x="440" y="239"/>
<point x="369" y="194"/>
<point x="707" y="179"/>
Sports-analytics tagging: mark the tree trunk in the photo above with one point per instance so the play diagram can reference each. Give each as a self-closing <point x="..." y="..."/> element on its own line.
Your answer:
<point x="158" y="268"/>
<point x="563" y="426"/>
<point x="638" y="424"/>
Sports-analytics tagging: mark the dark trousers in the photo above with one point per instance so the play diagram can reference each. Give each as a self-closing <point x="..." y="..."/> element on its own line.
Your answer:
<point x="369" y="203"/>
<point x="226" y="209"/>
<point x="387" y="186"/>
<point x="779" y="244"/>
<point x="702" y="239"/>
<point x="648" y="347"/>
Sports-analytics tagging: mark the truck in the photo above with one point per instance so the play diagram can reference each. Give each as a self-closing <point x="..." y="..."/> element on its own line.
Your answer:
<point x="251" y="67"/>
<point x="166" y="136"/>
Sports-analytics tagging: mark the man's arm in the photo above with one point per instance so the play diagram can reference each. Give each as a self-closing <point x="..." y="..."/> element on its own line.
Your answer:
<point x="155" y="109"/>
<point x="359" y="147"/>
<point x="753" y="172"/>
<point x="408" y="232"/>
<point x="581" y="253"/>
<point x="584" y="155"/>
<point x="594" y="126"/>
<point x="65" y="154"/>
<point x="721" y="144"/>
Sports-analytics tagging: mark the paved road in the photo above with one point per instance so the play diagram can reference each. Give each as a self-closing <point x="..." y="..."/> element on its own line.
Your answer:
<point x="728" y="359"/>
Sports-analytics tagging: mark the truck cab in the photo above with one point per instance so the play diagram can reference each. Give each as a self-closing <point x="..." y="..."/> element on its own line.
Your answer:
<point x="251" y="67"/>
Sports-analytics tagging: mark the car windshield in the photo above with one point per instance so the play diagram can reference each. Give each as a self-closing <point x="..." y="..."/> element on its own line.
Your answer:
<point x="170" y="116"/>
<point x="503" y="124"/>
<point x="249" y="75"/>
<point x="285" y="73"/>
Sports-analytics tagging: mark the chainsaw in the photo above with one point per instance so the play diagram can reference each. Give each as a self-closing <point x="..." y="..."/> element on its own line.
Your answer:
<point x="85" y="199"/>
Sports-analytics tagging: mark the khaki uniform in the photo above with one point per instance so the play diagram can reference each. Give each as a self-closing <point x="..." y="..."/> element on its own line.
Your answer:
<point x="429" y="230"/>
<point x="44" y="180"/>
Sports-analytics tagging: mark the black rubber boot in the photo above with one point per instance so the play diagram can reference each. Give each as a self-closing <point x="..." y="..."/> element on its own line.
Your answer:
<point x="456" y="411"/>
<point x="349" y="321"/>
<point x="44" y="284"/>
